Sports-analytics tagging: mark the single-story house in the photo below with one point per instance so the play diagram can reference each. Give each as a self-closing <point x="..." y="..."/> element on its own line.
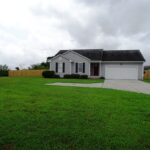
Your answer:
<point x="111" y="64"/>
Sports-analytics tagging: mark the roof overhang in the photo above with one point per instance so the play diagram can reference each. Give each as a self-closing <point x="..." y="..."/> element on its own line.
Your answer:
<point x="123" y="61"/>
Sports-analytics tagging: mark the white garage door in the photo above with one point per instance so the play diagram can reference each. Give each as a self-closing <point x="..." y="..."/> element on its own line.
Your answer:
<point x="121" y="72"/>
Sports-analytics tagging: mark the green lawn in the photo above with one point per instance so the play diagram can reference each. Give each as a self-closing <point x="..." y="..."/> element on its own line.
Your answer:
<point x="85" y="81"/>
<point x="34" y="116"/>
<point x="148" y="81"/>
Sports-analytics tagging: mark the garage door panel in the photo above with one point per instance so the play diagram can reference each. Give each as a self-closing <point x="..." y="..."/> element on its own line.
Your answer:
<point x="121" y="72"/>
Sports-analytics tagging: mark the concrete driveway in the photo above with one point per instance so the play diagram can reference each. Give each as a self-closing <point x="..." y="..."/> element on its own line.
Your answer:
<point x="128" y="85"/>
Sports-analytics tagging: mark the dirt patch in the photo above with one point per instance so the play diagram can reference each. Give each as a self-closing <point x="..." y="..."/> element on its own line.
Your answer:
<point x="7" y="147"/>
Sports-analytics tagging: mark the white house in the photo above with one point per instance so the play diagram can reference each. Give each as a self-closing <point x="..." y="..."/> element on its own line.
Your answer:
<point x="111" y="64"/>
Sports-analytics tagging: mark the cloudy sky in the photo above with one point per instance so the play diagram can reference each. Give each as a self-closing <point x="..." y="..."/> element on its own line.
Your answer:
<point x="31" y="30"/>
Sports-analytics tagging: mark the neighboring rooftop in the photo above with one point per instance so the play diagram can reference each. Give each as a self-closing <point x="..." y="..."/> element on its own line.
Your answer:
<point x="107" y="55"/>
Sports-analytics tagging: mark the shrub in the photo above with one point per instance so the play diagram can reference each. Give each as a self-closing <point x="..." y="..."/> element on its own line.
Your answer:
<point x="56" y="76"/>
<point x="75" y="76"/>
<point x="102" y="78"/>
<point x="83" y="76"/>
<point x="48" y="74"/>
<point x="67" y="76"/>
<point x="3" y="73"/>
<point x="72" y="76"/>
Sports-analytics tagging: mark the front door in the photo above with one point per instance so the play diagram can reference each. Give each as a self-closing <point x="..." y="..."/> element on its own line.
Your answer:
<point x="94" y="69"/>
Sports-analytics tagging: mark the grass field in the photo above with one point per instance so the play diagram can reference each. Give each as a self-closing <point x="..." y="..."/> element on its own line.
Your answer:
<point x="34" y="116"/>
<point x="148" y="81"/>
<point x="84" y="81"/>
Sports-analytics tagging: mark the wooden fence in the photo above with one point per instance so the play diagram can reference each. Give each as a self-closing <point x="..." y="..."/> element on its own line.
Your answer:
<point x="25" y="73"/>
<point x="38" y="73"/>
<point x="147" y="75"/>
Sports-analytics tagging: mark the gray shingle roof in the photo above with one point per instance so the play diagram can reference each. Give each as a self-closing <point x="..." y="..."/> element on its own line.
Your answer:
<point x="108" y="55"/>
<point x="122" y="55"/>
<point x="93" y="54"/>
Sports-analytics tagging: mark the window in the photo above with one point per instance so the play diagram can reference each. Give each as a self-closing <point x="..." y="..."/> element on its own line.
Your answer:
<point x="80" y="67"/>
<point x="60" y="66"/>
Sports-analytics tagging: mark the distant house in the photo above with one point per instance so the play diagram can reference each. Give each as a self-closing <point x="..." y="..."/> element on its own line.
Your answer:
<point x="111" y="64"/>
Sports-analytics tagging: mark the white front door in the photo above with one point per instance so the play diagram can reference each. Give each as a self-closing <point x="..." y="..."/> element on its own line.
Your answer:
<point x="121" y="72"/>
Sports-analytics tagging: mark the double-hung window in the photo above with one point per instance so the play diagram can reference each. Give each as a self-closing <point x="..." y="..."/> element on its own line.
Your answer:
<point x="80" y="67"/>
<point x="60" y="67"/>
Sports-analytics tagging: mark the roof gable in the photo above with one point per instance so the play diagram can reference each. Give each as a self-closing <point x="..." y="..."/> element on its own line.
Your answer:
<point x="92" y="54"/>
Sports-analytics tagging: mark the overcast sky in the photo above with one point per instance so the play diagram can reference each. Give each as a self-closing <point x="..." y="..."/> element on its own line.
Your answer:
<point x="31" y="30"/>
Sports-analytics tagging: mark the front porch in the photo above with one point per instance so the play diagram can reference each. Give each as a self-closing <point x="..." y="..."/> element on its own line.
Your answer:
<point x="95" y="70"/>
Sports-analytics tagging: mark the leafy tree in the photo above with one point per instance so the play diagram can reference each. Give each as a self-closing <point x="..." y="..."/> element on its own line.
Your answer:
<point x="17" y="68"/>
<point x="3" y="67"/>
<point x="43" y="65"/>
<point x="3" y="70"/>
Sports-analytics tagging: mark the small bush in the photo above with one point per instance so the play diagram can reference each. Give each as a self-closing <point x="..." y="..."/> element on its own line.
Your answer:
<point x="67" y="76"/>
<point x="3" y="73"/>
<point x="102" y="78"/>
<point x="48" y="74"/>
<point x="75" y="76"/>
<point x="56" y="76"/>
<point x="72" y="76"/>
<point x="83" y="76"/>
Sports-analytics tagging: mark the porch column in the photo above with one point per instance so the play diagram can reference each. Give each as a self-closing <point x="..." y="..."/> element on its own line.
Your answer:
<point x="89" y="69"/>
<point x="100" y="64"/>
<point x="70" y="66"/>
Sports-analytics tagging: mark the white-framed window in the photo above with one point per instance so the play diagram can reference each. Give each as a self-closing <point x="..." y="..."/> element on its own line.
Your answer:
<point x="60" y="67"/>
<point x="80" y="67"/>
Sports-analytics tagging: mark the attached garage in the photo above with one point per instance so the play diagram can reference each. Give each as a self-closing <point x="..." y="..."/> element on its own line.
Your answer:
<point x="123" y="71"/>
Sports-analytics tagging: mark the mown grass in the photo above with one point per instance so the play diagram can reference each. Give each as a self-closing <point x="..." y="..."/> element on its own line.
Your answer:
<point x="84" y="81"/>
<point x="34" y="116"/>
<point x="148" y="81"/>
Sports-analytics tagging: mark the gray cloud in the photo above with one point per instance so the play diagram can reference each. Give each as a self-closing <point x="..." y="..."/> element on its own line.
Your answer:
<point x="49" y="26"/>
